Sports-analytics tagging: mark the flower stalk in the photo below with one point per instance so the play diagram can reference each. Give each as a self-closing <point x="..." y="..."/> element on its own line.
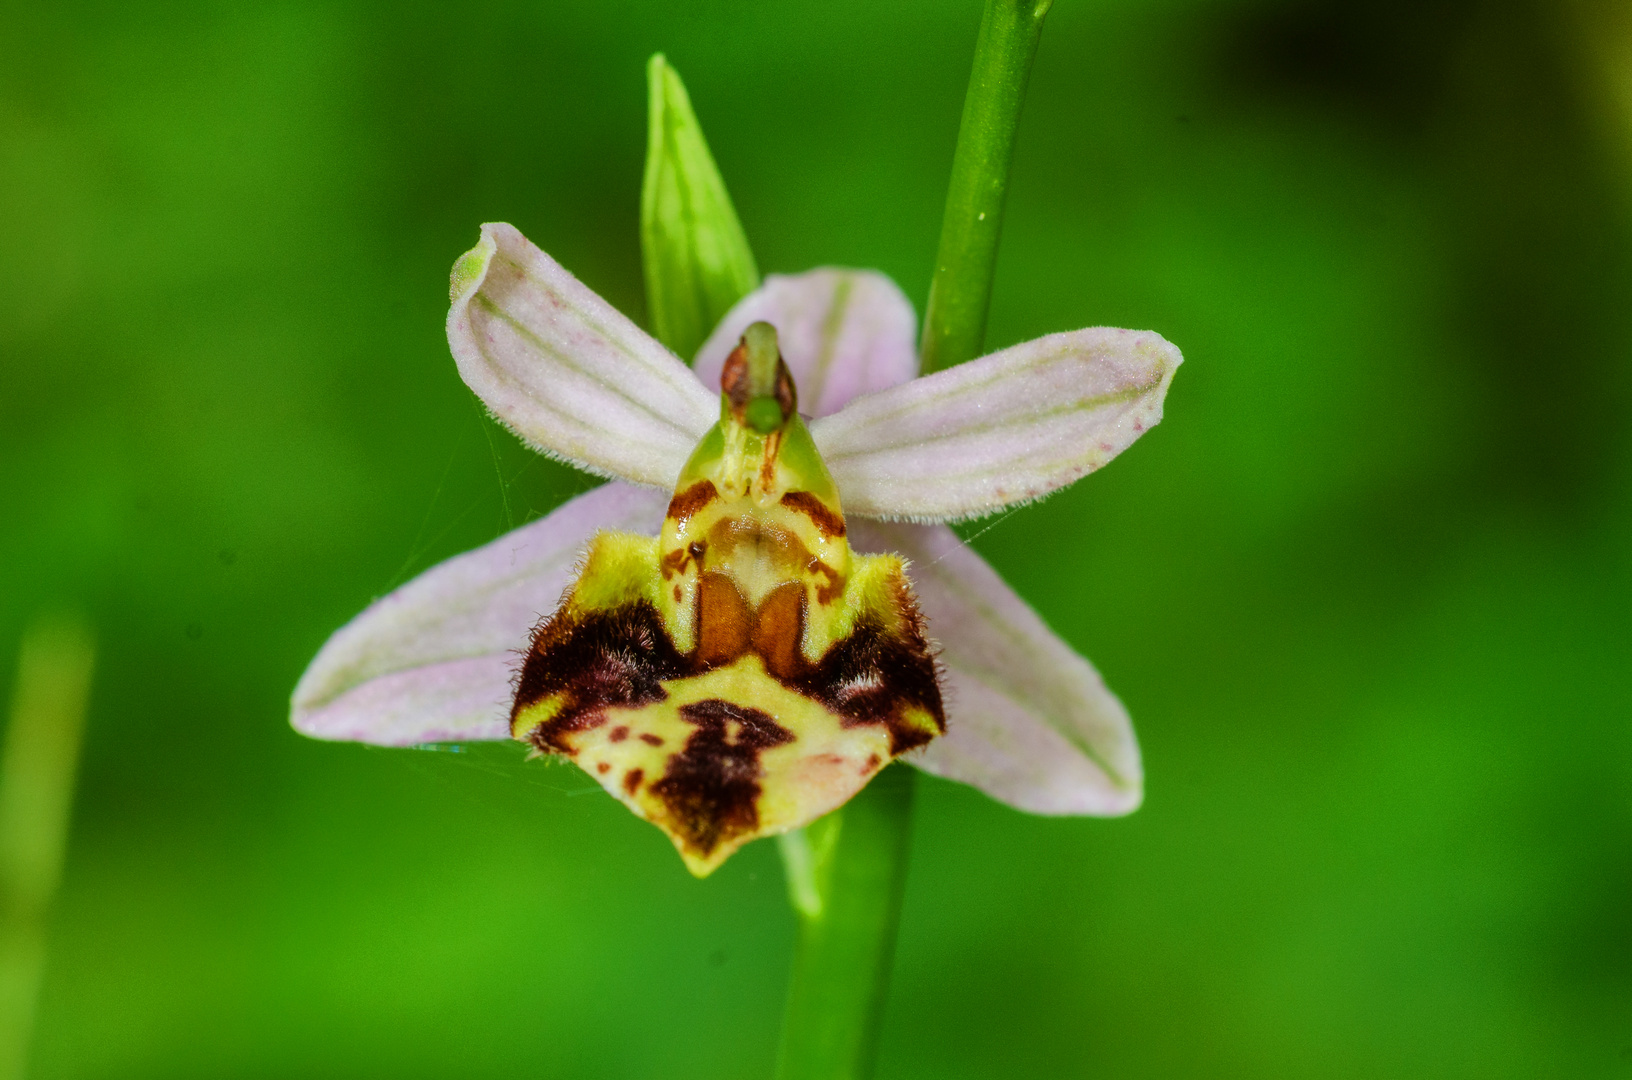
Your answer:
<point x="961" y="292"/>
<point x="847" y="872"/>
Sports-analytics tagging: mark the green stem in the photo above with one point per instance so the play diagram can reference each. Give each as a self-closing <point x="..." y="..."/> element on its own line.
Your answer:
<point x="846" y="874"/>
<point x="961" y="292"/>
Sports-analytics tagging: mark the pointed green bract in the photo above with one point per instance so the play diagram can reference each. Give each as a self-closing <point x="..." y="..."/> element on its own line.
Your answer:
<point x="695" y="255"/>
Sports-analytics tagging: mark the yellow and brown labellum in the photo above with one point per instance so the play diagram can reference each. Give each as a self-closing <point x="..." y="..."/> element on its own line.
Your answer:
<point x="743" y="673"/>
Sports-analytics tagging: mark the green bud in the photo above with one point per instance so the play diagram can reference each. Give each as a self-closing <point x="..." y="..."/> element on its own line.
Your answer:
<point x="696" y="258"/>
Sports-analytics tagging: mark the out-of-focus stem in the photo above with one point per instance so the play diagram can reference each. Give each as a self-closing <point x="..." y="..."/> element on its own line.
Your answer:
<point x="41" y="753"/>
<point x="961" y="292"/>
<point x="846" y="874"/>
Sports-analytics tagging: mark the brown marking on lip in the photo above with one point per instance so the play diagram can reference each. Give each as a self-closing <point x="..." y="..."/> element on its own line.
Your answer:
<point x="603" y="767"/>
<point x="876" y="675"/>
<point x="828" y="523"/>
<point x="826" y="594"/>
<point x="677" y="594"/>
<point x="651" y="740"/>
<point x="779" y="627"/>
<point x="632" y="779"/>
<point x="602" y="660"/>
<point x="872" y="763"/>
<point x="711" y="788"/>
<point x="724" y="622"/>
<point x="618" y="734"/>
<point x="674" y="562"/>
<point x="694" y="498"/>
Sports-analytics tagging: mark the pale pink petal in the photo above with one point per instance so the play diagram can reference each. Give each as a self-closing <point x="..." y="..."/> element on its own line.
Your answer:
<point x="564" y="370"/>
<point x="1028" y="721"/>
<point x="433" y="661"/>
<point x="1004" y="429"/>
<point x="843" y="333"/>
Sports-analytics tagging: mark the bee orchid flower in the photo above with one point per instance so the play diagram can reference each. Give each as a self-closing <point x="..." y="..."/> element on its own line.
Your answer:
<point x="765" y="606"/>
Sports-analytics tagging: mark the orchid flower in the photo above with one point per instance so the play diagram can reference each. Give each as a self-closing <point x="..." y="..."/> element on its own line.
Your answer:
<point x="758" y="613"/>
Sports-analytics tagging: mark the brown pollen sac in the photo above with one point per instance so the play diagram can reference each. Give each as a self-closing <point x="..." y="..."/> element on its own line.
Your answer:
<point x="778" y="629"/>
<point x="738" y="389"/>
<point x="724" y="622"/>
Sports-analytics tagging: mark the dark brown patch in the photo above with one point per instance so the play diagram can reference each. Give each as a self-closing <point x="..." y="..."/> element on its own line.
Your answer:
<point x="779" y="627"/>
<point x="651" y="740"/>
<point x="826" y="521"/>
<point x="694" y="498"/>
<point x="724" y="622"/>
<point x="711" y="786"/>
<point x="606" y="659"/>
<point x="603" y="767"/>
<point x="677" y="594"/>
<point x="632" y="779"/>
<point x="618" y="734"/>
<point x="875" y="676"/>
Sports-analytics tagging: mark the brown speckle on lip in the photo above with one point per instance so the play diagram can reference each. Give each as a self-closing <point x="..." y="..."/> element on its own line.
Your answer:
<point x="618" y="734"/>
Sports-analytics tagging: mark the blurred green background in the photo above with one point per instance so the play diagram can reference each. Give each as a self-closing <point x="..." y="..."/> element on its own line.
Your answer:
<point x="1367" y="592"/>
